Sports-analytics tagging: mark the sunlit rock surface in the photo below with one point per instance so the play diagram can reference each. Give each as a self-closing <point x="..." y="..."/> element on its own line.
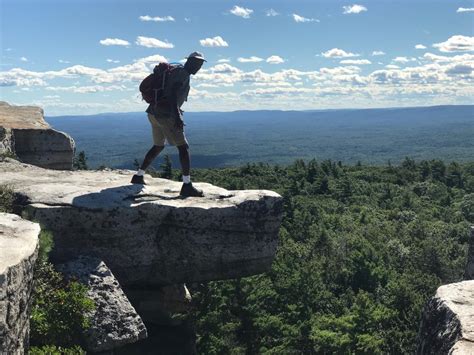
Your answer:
<point x="25" y="133"/>
<point x="18" y="253"/>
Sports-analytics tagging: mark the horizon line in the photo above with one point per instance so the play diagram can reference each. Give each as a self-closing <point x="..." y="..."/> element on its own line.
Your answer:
<point x="278" y="110"/>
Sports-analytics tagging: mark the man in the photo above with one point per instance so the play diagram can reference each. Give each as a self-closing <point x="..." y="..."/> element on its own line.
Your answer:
<point x="167" y="123"/>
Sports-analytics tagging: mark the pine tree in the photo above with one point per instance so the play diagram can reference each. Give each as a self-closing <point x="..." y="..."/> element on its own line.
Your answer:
<point x="166" y="168"/>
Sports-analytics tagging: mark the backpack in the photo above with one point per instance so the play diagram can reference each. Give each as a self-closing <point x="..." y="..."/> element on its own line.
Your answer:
<point x="153" y="86"/>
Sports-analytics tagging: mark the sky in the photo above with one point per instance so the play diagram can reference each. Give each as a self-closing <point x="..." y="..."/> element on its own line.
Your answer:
<point x="89" y="56"/>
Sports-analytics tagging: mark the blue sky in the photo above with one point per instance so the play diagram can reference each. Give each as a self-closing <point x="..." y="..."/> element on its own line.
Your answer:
<point x="73" y="57"/>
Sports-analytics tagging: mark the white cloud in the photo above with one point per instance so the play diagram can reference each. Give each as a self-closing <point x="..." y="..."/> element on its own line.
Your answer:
<point x="274" y="59"/>
<point x="224" y="60"/>
<point x="152" y="42"/>
<point x="420" y="46"/>
<point x="435" y="79"/>
<point x="114" y="42"/>
<point x="187" y="19"/>
<point x="354" y="9"/>
<point x="86" y="89"/>
<point x="457" y="43"/>
<point x="403" y="59"/>
<point x="63" y="61"/>
<point x="113" y="61"/>
<point x="204" y="85"/>
<point x="374" y="53"/>
<point x="241" y="11"/>
<point x="252" y="59"/>
<point x="217" y="41"/>
<point x="24" y="59"/>
<point x="271" y="13"/>
<point x="156" y="19"/>
<point x="152" y="59"/>
<point x="455" y="59"/>
<point x="299" y="18"/>
<point x="460" y="69"/>
<point x="340" y="71"/>
<point x="356" y="61"/>
<point x="16" y="79"/>
<point x="224" y="68"/>
<point x="338" y="53"/>
<point x="465" y="9"/>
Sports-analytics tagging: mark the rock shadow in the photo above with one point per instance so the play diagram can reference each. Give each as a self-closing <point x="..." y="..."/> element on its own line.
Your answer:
<point x="119" y="196"/>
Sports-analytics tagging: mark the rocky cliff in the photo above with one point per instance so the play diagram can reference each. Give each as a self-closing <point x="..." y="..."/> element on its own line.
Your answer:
<point x="152" y="240"/>
<point x="148" y="235"/>
<point x="25" y="133"/>
<point x="18" y="253"/>
<point x="114" y="321"/>
<point x="448" y="321"/>
<point x="447" y="324"/>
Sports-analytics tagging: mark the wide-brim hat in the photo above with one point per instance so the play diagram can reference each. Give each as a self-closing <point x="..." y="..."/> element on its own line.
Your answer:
<point x="197" y="55"/>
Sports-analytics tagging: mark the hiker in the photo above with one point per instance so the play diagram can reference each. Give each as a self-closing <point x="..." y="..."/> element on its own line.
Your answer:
<point x="166" y="118"/>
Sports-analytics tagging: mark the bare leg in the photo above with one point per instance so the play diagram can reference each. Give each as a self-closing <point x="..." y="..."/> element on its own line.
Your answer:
<point x="184" y="159"/>
<point x="150" y="156"/>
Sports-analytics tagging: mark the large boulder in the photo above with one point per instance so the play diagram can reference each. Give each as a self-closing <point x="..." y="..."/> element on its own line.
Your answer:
<point x="149" y="235"/>
<point x="447" y="325"/>
<point x="114" y="321"/>
<point x="18" y="253"/>
<point x="25" y="133"/>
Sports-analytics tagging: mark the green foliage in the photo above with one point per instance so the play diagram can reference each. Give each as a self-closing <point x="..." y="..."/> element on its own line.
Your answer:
<point x="8" y="154"/>
<point x="45" y="245"/>
<point x="60" y="307"/>
<point x="166" y="168"/>
<point x="6" y="199"/>
<point x="55" y="350"/>
<point x="80" y="161"/>
<point x="361" y="251"/>
<point x="467" y="207"/>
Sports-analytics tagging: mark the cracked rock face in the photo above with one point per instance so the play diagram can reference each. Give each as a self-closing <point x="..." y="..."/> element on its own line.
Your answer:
<point x="114" y="321"/>
<point x="447" y="325"/>
<point x="18" y="253"/>
<point x="25" y="133"/>
<point x="148" y="235"/>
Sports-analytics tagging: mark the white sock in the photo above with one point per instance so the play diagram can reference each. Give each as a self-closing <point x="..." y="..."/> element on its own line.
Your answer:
<point x="186" y="179"/>
<point x="140" y="172"/>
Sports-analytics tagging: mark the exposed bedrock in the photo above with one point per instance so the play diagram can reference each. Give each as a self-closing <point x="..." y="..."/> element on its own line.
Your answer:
<point x="18" y="253"/>
<point x="447" y="325"/>
<point x="25" y="133"/>
<point x="148" y="235"/>
<point x="113" y="322"/>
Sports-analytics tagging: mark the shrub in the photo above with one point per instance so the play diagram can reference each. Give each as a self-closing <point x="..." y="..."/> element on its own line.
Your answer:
<point x="6" y="199"/>
<point x="55" y="350"/>
<point x="60" y="307"/>
<point x="80" y="161"/>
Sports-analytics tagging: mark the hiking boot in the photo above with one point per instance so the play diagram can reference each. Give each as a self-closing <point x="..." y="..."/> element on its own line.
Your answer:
<point x="188" y="190"/>
<point x="138" y="179"/>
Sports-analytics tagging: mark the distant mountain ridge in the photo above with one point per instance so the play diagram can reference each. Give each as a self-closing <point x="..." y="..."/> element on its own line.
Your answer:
<point x="217" y="139"/>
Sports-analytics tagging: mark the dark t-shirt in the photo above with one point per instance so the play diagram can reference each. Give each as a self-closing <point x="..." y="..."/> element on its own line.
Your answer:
<point x="178" y="82"/>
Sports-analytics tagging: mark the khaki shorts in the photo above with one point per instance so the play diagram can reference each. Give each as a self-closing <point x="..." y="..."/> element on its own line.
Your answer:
<point x="164" y="129"/>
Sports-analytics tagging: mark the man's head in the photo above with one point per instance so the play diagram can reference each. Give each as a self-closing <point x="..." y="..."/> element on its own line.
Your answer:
<point x="194" y="62"/>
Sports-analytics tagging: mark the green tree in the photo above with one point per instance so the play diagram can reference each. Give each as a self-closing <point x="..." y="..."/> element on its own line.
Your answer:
<point x="80" y="161"/>
<point x="166" y="168"/>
